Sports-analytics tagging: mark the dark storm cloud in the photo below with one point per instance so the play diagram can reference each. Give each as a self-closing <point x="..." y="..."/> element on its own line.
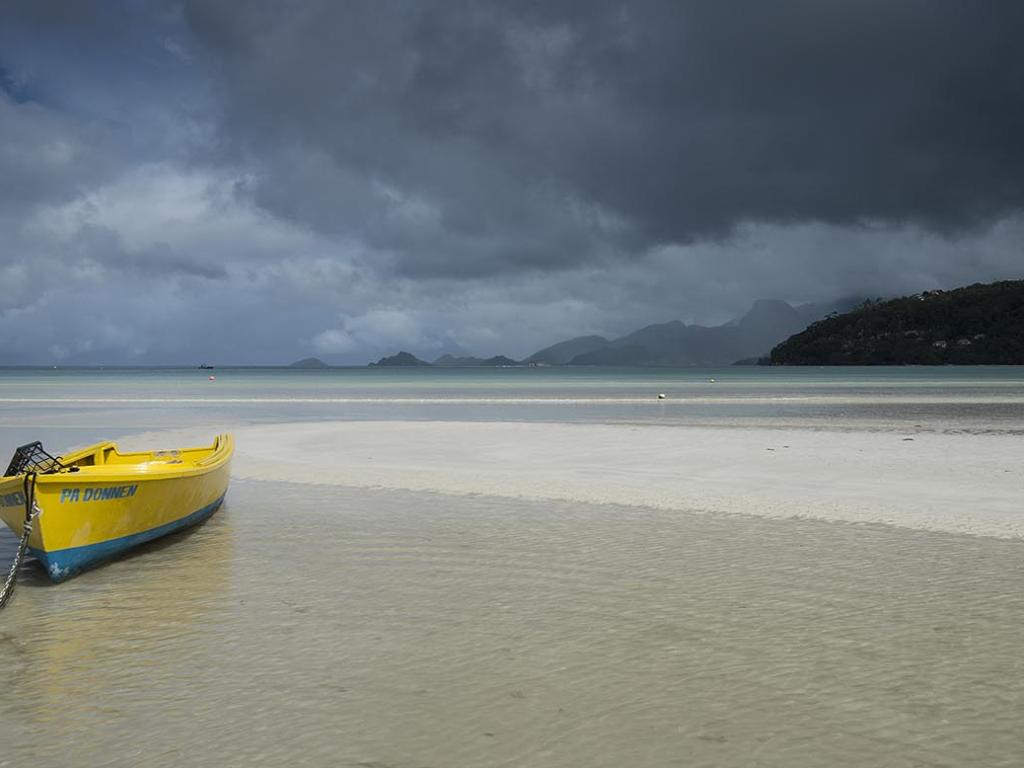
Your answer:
<point x="273" y="178"/>
<point x="467" y="137"/>
<point x="86" y="90"/>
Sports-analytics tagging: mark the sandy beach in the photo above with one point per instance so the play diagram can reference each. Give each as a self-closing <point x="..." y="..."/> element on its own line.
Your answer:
<point x="468" y="570"/>
<point x="926" y="480"/>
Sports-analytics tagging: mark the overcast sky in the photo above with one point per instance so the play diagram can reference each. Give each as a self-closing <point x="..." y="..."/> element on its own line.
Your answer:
<point x="258" y="181"/>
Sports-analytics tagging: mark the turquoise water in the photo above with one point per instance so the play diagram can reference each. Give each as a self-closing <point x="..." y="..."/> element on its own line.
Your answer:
<point x="79" y="405"/>
<point x="289" y="383"/>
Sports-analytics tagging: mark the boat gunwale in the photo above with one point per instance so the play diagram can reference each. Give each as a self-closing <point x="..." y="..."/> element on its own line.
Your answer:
<point x="221" y="451"/>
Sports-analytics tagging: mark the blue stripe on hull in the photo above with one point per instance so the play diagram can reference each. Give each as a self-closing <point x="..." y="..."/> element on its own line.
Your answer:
<point x="64" y="563"/>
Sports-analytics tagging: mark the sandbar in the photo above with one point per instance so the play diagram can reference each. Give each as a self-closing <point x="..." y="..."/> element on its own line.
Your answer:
<point x="938" y="481"/>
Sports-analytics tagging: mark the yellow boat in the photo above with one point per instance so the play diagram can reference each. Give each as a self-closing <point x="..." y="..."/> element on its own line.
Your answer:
<point x="96" y="503"/>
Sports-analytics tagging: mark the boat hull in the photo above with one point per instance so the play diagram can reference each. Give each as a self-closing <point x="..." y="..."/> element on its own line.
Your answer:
<point x="64" y="563"/>
<point x="100" y="512"/>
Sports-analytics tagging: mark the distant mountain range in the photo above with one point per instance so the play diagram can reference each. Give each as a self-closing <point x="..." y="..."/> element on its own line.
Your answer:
<point x="674" y="344"/>
<point x="980" y="324"/>
<point x="677" y="344"/>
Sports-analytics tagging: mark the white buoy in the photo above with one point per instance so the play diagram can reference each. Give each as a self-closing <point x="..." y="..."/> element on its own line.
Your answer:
<point x="213" y="378"/>
<point x="661" y="395"/>
<point x="712" y="381"/>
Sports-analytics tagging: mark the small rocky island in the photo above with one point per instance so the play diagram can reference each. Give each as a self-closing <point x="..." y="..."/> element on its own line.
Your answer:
<point x="309" y="362"/>
<point x="406" y="359"/>
<point x="401" y="360"/>
<point x="498" y="361"/>
<point x="980" y="324"/>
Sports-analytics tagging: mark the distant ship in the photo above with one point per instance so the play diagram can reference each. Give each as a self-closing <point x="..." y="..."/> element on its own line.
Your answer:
<point x="205" y="367"/>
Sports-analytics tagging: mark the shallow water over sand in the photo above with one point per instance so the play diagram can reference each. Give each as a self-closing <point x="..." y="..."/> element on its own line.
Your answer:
<point x="312" y="625"/>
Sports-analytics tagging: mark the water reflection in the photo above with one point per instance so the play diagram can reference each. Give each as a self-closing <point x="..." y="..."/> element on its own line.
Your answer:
<point x="79" y="655"/>
<point x="328" y="626"/>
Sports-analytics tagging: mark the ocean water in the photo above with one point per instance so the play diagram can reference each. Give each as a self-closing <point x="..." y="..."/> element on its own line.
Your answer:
<point x="78" y="406"/>
<point x="328" y="626"/>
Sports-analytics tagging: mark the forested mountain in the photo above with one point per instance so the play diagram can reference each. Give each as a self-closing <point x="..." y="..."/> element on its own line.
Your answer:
<point x="979" y="324"/>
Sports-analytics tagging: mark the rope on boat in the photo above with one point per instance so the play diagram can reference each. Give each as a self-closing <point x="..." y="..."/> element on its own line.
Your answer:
<point x="32" y="511"/>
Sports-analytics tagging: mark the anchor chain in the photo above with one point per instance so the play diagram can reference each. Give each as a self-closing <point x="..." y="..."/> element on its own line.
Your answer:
<point x="32" y="511"/>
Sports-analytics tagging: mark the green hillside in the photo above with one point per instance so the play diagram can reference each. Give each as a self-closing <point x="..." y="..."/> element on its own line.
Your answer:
<point x="976" y="325"/>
